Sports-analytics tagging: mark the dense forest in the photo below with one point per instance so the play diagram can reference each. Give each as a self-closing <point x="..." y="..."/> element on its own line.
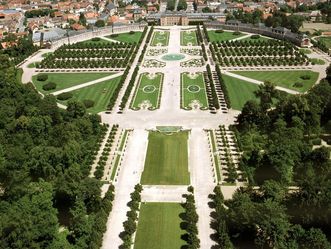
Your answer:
<point x="288" y="201"/>
<point x="45" y="158"/>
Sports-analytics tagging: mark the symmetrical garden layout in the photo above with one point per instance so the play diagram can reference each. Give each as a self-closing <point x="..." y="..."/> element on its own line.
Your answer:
<point x="166" y="160"/>
<point x="148" y="91"/>
<point x="164" y="94"/>
<point x="193" y="91"/>
<point x="160" y="38"/>
<point x="188" y="38"/>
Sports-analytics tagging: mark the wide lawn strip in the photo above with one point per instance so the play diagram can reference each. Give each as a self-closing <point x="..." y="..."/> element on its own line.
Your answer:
<point x="166" y="160"/>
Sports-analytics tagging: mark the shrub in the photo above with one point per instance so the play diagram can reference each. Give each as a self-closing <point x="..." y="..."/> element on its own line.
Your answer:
<point x="298" y="84"/>
<point x="88" y="103"/>
<point x="64" y="96"/>
<point x="219" y="31"/>
<point x="42" y="77"/>
<point x="49" y="86"/>
<point x="236" y="33"/>
<point x="131" y="32"/>
<point x="305" y="77"/>
<point x="255" y="36"/>
<point x="316" y="141"/>
<point x="113" y="35"/>
<point x="95" y="39"/>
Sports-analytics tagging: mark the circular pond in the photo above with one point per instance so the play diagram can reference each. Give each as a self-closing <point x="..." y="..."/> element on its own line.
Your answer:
<point x="173" y="57"/>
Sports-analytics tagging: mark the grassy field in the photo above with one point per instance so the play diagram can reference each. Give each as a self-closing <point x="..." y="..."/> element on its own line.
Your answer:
<point x="286" y="79"/>
<point x="187" y="37"/>
<point x="326" y="41"/>
<point x="65" y="80"/>
<point x="193" y="89"/>
<point x="127" y="37"/>
<point x="148" y="90"/>
<point x="240" y="91"/>
<point x="100" y="93"/>
<point x="160" y="38"/>
<point x="95" y="42"/>
<point x="166" y="160"/>
<point x="159" y="226"/>
<point x="225" y="36"/>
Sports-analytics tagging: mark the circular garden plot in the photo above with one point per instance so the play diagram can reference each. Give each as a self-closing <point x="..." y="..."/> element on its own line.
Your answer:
<point x="193" y="88"/>
<point x="149" y="89"/>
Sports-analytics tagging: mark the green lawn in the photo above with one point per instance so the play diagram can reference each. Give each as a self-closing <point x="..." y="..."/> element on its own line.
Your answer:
<point x="240" y="91"/>
<point x="166" y="160"/>
<point x="148" y="90"/>
<point x="100" y="93"/>
<point x="286" y="79"/>
<point x="187" y="37"/>
<point x="261" y="38"/>
<point x="326" y="41"/>
<point x="127" y="37"/>
<point x="160" y="37"/>
<point x="65" y="80"/>
<point x="159" y="226"/>
<point x="225" y="36"/>
<point x="193" y="90"/>
<point x="99" y="41"/>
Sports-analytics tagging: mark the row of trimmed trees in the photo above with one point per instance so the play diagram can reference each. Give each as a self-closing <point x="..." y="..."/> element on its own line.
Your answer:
<point x="212" y="95"/>
<point x="223" y="86"/>
<point x="129" y="88"/>
<point x="130" y="225"/>
<point x="190" y="220"/>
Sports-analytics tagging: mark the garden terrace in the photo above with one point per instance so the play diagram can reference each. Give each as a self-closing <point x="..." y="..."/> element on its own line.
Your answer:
<point x="262" y="53"/>
<point x="299" y="80"/>
<point x="64" y="80"/>
<point x="160" y="38"/>
<point x="239" y="91"/>
<point x="148" y="91"/>
<point x="193" y="91"/>
<point x="99" y="94"/>
<point x="166" y="160"/>
<point x="188" y="38"/>
<point x="111" y="55"/>
<point x="130" y="37"/>
<point x="220" y="35"/>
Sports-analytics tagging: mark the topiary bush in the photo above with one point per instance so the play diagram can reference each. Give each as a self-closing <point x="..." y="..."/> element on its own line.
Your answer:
<point x="255" y="36"/>
<point x="131" y="32"/>
<point x="88" y="103"/>
<point x="49" y="86"/>
<point x="42" y="77"/>
<point x="219" y="31"/>
<point x="64" y="96"/>
<point x="95" y="39"/>
<point x="305" y="77"/>
<point x="298" y="84"/>
<point x="236" y="33"/>
<point x="113" y="35"/>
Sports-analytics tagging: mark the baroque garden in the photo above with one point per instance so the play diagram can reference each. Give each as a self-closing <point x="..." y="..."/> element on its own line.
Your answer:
<point x="181" y="113"/>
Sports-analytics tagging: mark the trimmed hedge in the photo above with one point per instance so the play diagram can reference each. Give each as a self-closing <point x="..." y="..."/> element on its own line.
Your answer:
<point x="42" y="77"/>
<point x="49" y="86"/>
<point x="64" y="96"/>
<point x="88" y="103"/>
